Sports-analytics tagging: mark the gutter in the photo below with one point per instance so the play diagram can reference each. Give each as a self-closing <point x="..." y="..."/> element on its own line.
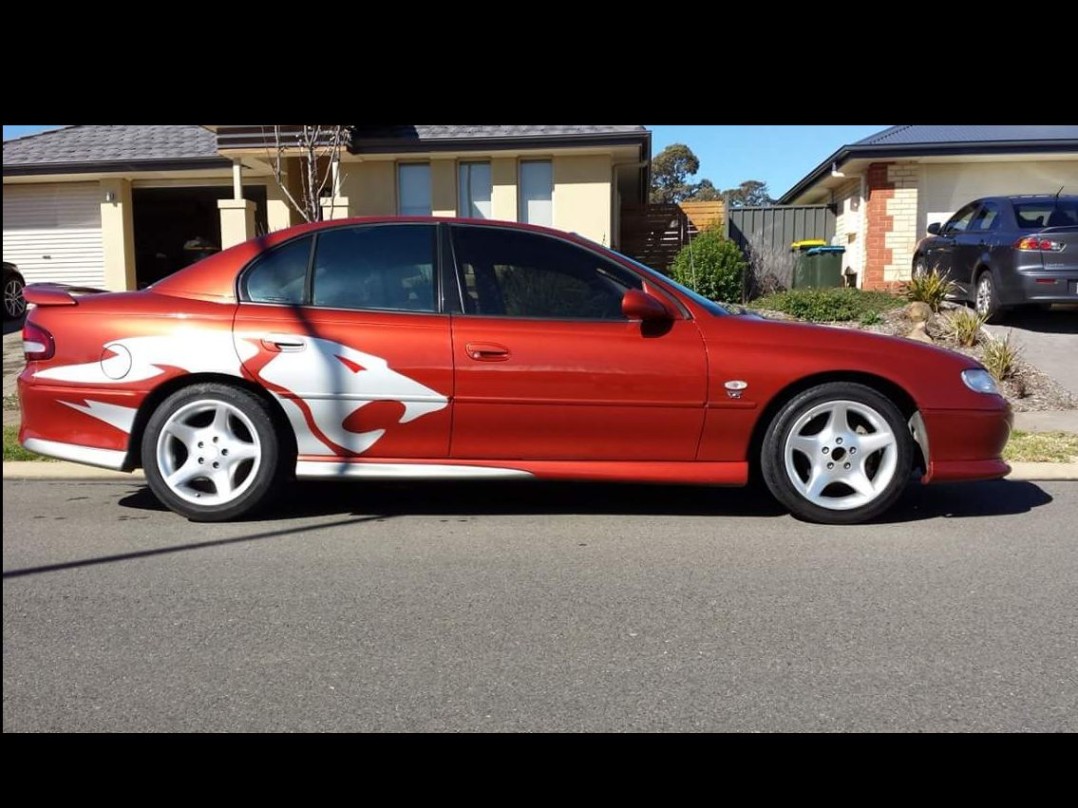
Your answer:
<point x="115" y="166"/>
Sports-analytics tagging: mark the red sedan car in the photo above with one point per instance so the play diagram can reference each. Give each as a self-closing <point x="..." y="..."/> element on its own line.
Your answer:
<point x="421" y="348"/>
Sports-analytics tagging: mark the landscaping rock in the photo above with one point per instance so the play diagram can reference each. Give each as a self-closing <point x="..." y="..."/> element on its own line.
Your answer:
<point x="936" y="327"/>
<point x="918" y="333"/>
<point x="918" y="312"/>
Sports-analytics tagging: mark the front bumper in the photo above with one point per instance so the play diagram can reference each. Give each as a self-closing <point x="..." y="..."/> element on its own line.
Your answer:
<point x="967" y="444"/>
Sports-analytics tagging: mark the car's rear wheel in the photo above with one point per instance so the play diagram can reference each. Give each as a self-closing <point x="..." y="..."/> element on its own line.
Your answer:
<point x="14" y="301"/>
<point x="211" y="452"/>
<point x="986" y="300"/>
<point x="838" y="453"/>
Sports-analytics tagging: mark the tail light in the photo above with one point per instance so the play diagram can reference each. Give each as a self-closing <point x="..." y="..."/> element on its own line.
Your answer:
<point x="1029" y="243"/>
<point x="37" y="343"/>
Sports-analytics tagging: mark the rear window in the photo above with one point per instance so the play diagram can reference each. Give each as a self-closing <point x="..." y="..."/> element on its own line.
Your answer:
<point x="1053" y="213"/>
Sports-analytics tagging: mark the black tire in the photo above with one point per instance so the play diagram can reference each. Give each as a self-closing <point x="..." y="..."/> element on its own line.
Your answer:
<point x="14" y="300"/>
<point x="920" y="268"/>
<point x="868" y="419"/>
<point x="220" y="445"/>
<point x="986" y="298"/>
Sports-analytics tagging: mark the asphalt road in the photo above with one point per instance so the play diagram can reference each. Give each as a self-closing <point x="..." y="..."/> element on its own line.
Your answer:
<point x="1049" y="341"/>
<point x="536" y="607"/>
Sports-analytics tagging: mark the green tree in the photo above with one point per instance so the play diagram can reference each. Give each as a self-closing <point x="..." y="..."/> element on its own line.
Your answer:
<point x="711" y="265"/>
<point x="670" y="172"/>
<point x="705" y="192"/>
<point x="749" y="194"/>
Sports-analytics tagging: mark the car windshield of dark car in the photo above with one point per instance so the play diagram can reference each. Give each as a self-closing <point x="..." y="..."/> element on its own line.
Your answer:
<point x="718" y="309"/>
<point x="1050" y="213"/>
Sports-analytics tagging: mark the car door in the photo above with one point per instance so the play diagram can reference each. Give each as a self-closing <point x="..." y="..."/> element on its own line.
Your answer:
<point x="948" y="252"/>
<point x="548" y="367"/>
<point x="344" y="327"/>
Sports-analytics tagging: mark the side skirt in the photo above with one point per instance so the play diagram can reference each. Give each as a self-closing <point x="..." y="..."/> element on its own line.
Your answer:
<point x="732" y="474"/>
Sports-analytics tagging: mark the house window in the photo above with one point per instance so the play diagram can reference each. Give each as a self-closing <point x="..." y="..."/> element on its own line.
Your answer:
<point x="474" y="188"/>
<point x="537" y="192"/>
<point x="413" y="189"/>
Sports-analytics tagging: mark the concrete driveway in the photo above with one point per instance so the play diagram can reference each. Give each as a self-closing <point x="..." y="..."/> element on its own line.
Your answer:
<point x="1049" y="341"/>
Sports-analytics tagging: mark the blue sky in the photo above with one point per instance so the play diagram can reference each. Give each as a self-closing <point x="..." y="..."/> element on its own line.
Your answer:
<point x="729" y="155"/>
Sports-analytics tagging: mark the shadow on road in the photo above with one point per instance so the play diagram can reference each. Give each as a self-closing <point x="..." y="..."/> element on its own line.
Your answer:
<point x="11" y="326"/>
<point x="178" y="548"/>
<point x="1060" y="320"/>
<point x="308" y="499"/>
<point x="965" y="501"/>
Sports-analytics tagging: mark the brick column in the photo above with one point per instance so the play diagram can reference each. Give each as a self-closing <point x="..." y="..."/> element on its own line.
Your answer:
<point x="902" y="208"/>
<point x="877" y="225"/>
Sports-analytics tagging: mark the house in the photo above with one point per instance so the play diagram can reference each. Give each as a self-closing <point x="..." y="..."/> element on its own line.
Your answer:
<point x="886" y="189"/>
<point x="119" y="207"/>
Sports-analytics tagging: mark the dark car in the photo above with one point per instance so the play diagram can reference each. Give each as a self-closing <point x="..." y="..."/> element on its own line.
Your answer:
<point x="14" y="302"/>
<point x="1007" y="251"/>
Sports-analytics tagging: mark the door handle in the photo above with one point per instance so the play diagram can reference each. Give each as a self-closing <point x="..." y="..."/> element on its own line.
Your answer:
<point x="487" y="351"/>
<point x="283" y="342"/>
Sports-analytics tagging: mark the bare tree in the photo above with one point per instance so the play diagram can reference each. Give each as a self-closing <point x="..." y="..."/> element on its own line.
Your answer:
<point x="318" y="149"/>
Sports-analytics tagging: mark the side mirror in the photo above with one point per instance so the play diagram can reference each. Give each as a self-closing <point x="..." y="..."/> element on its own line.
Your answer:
<point x="934" y="228"/>
<point x="637" y="305"/>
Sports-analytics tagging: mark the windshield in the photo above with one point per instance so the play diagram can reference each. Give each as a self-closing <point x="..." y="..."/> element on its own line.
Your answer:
<point x="718" y="309"/>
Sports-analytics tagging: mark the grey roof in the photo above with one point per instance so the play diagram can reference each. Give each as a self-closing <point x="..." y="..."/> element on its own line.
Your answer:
<point x="915" y="140"/>
<point x="471" y="132"/>
<point x="95" y="144"/>
<point x="955" y="134"/>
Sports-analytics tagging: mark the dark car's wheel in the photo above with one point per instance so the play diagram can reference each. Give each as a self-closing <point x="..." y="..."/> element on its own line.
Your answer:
<point x="920" y="268"/>
<point x="14" y="302"/>
<point x="838" y="453"/>
<point x="211" y="452"/>
<point x="985" y="300"/>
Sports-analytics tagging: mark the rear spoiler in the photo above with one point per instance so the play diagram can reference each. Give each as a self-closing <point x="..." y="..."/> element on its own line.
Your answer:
<point x="57" y="294"/>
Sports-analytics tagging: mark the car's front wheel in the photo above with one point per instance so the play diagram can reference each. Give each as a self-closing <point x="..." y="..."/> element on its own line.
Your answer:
<point x="838" y="453"/>
<point x="211" y="452"/>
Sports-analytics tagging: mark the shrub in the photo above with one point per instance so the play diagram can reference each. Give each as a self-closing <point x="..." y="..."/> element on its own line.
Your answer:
<point x="1001" y="357"/>
<point x="870" y="318"/>
<point x="828" y="305"/>
<point x="712" y="266"/>
<point x="931" y="288"/>
<point x="963" y="327"/>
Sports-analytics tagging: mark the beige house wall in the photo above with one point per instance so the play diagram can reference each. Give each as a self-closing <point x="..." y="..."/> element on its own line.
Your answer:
<point x="582" y="197"/>
<point x="443" y="187"/>
<point x="118" y="234"/>
<point x="849" y="226"/>
<point x="371" y="187"/>
<point x="503" y="193"/>
<point x="945" y="187"/>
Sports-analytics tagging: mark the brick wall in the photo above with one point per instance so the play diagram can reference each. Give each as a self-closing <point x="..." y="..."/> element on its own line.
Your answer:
<point x="891" y="223"/>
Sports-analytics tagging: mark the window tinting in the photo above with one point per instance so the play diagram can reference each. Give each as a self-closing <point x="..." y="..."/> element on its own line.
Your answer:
<point x="513" y="274"/>
<point x="960" y="221"/>
<point x="1053" y="213"/>
<point x="279" y="276"/>
<point x="387" y="267"/>
<point x="988" y="218"/>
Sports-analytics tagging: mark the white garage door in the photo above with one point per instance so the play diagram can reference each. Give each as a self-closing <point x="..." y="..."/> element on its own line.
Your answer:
<point x="53" y="232"/>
